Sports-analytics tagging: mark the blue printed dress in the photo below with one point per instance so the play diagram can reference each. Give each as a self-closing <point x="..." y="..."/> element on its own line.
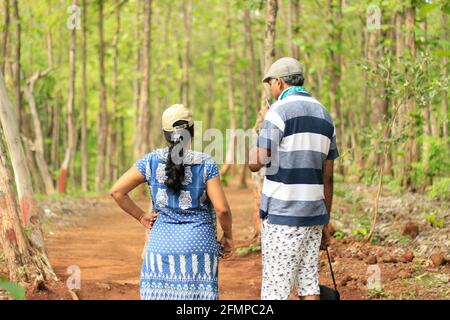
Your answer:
<point x="182" y="254"/>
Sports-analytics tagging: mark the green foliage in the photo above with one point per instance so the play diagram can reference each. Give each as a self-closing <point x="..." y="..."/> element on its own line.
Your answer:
<point x="440" y="189"/>
<point x="16" y="291"/>
<point x="434" y="220"/>
<point x="244" y="251"/>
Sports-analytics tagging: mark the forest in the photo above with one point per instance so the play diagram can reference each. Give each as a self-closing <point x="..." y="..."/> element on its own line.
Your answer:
<point x="83" y="84"/>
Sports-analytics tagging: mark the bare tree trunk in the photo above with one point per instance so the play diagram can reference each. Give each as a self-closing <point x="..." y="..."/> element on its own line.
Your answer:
<point x="230" y="157"/>
<point x="71" y="129"/>
<point x="187" y="52"/>
<point x="84" y="106"/>
<point x="38" y="144"/>
<point x="4" y="48"/>
<point x="294" y="28"/>
<point x="113" y="154"/>
<point x="445" y="71"/>
<point x="336" y="65"/>
<point x="137" y="79"/>
<point x="411" y="148"/>
<point x="102" y="127"/>
<point x="42" y="269"/>
<point x="16" y="60"/>
<point x="245" y="106"/>
<point x="143" y="129"/>
<point x="252" y="62"/>
<point x="269" y="58"/>
<point x="23" y="262"/>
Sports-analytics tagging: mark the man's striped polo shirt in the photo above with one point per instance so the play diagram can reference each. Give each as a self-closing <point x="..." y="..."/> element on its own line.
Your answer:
<point x="301" y="135"/>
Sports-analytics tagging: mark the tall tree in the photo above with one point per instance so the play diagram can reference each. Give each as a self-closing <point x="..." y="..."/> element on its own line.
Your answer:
<point x="16" y="57"/>
<point x="84" y="101"/>
<point x="445" y="74"/>
<point x="142" y="129"/>
<point x="230" y="156"/>
<point x="294" y="28"/>
<point x="187" y="51"/>
<point x="335" y="64"/>
<point x="102" y="127"/>
<point x="4" y="48"/>
<point x="252" y="63"/>
<point x="113" y="124"/>
<point x="38" y="144"/>
<point x="411" y="147"/>
<point x="269" y="58"/>
<point x="71" y="128"/>
<point x="40" y="269"/>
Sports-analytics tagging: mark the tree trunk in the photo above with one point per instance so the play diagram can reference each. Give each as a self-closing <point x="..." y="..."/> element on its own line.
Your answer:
<point x="16" y="58"/>
<point x="245" y="107"/>
<point x="186" y="55"/>
<point x="38" y="144"/>
<point x="230" y="156"/>
<point x="335" y="71"/>
<point x="71" y="129"/>
<point x="411" y="148"/>
<point x="4" y="48"/>
<point x="113" y="154"/>
<point x="102" y="127"/>
<point x="252" y="62"/>
<point x="269" y="58"/>
<point x="294" y="28"/>
<point x="41" y="269"/>
<point x="445" y="74"/>
<point x="137" y="79"/>
<point x="84" y="106"/>
<point x="143" y="129"/>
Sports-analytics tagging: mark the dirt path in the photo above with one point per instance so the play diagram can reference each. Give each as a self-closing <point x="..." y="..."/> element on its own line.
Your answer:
<point x="106" y="244"/>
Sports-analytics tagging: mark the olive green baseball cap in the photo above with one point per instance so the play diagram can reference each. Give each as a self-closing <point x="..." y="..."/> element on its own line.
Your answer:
<point x="174" y="113"/>
<point x="283" y="67"/>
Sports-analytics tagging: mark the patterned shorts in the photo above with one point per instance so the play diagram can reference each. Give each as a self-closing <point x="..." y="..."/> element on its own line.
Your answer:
<point x="290" y="256"/>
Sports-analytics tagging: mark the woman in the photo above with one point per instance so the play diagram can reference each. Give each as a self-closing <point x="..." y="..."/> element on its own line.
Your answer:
<point x="181" y="257"/>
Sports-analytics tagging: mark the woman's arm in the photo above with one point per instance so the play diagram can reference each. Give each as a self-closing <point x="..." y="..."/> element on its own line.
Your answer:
<point x="220" y="204"/>
<point x="126" y="183"/>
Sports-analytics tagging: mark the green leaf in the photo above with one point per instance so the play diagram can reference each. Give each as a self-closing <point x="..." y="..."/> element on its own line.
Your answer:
<point x="14" y="289"/>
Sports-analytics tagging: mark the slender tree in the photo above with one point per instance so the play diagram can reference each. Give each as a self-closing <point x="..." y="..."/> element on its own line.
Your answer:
<point x="71" y="128"/>
<point x="84" y="102"/>
<point x="103" y="115"/>
<point x="269" y="58"/>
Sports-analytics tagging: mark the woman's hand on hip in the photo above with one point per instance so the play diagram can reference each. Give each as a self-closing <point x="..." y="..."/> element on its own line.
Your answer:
<point x="147" y="220"/>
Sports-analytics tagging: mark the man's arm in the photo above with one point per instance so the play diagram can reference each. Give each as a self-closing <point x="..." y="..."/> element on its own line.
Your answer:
<point x="259" y="157"/>
<point x="328" y="184"/>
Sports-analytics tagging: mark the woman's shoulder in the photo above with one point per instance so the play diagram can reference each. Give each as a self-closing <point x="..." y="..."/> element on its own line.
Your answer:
<point x="193" y="157"/>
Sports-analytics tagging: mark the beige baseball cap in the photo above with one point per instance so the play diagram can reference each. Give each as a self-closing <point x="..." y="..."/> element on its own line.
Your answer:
<point x="176" y="113"/>
<point x="283" y="67"/>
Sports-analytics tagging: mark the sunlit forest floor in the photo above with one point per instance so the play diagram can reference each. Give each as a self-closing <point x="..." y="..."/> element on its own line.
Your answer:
<point x="106" y="244"/>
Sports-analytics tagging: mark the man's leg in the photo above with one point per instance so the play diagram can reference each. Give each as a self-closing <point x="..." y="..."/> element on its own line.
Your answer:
<point x="308" y="273"/>
<point x="280" y="261"/>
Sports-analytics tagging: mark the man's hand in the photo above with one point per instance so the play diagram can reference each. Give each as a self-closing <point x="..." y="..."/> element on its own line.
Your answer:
<point x="326" y="237"/>
<point x="228" y="247"/>
<point x="147" y="220"/>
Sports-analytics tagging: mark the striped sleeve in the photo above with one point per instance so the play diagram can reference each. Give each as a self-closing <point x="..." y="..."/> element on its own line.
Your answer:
<point x="272" y="130"/>
<point x="333" y="153"/>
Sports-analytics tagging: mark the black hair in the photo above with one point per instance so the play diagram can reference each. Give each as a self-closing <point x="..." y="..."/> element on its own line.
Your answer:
<point x="175" y="171"/>
<point x="294" y="80"/>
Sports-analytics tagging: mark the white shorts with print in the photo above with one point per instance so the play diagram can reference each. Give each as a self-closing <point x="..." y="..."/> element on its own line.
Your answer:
<point x="290" y="255"/>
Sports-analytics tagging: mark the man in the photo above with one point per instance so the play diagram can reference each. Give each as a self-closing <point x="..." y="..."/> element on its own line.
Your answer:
<point x="297" y="146"/>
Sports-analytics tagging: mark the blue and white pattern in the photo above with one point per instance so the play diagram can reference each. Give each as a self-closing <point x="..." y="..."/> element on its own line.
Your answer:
<point x="302" y="136"/>
<point x="182" y="253"/>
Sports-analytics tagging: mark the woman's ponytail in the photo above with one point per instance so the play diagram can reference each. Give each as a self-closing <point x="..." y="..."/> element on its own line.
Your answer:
<point x="177" y="144"/>
<point x="174" y="172"/>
